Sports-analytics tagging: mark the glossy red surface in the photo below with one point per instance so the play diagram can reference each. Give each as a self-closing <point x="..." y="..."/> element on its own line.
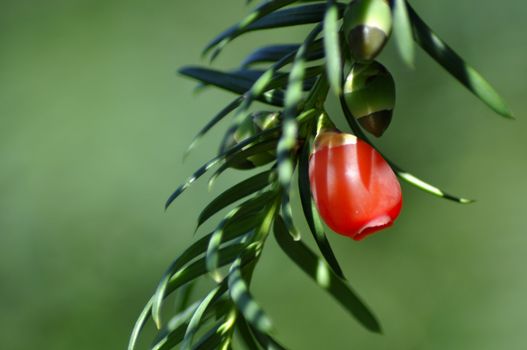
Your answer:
<point x="354" y="188"/>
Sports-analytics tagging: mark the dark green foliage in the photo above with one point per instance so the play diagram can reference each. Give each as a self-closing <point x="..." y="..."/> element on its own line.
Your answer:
<point x="454" y="64"/>
<point x="317" y="269"/>
<point x="294" y="83"/>
<point x="243" y="189"/>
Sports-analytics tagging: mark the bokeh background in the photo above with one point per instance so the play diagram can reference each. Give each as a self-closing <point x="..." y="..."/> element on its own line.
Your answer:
<point x="93" y="124"/>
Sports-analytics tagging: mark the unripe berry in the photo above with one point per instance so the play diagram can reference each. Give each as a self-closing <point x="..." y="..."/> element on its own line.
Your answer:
<point x="367" y="27"/>
<point x="369" y="92"/>
<point x="355" y="190"/>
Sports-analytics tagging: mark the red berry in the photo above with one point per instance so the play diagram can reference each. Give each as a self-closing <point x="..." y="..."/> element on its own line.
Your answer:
<point x="354" y="188"/>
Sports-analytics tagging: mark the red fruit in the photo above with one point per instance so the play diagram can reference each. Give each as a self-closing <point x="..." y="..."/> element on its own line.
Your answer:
<point x="354" y="188"/>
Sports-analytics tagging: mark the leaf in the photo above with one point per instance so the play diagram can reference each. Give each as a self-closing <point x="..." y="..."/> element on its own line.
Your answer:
<point x="299" y="15"/>
<point x="422" y="185"/>
<point x="310" y="74"/>
<point x="241" y="157"/>
<point x="285" y="146"/>
<point x="236" y="83"/>
<point x="254" y="208"/>
<point x="455" y="65"/>
<point x="175" y="278"/>
<point x="402" y="30"/>
<point x="268" y="79"/>
<point x="195" y="320"/>
<point x="318" y="94"/>
<point x="245" y="334"/>
<point x="306" y="115"/>
<point x="411" y="179"/>
<point x="293" y="98"/>
<point x="270" y="209"/>
<point x="170" y="339"/>
<point x="174" y="331"/>
<point x="259" y="86"/>
<point x="261" y="11"/>
<point x="212" y="254"/>
<point x="215" y="120"/>
<point x="332" y="46"/>
<point x="199" y="268"/>
<point x="214" y="161"/>
<point x="184" y="296"/>
<point x="266" y="341"/>
<point x="215" y="241"/>
<point x="287" y="214"/>
<point x="274" y="53"/>
<point x="264" y="80"/>
<point x="226" y="307"/>
<point x="183" y="317"/>
<point x="310" y="212"/>
<point x="139" y="324"/>
<point x="211" y="339"/>
<point x="317" y="269"/>
<point x="273" y="78"/>
<point x="241" y="226"/>
<point x="244" y="301"/>
<point x="235" y="193"/>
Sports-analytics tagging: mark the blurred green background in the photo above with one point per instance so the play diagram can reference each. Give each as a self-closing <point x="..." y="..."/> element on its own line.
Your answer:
<point x="93" y="125"/>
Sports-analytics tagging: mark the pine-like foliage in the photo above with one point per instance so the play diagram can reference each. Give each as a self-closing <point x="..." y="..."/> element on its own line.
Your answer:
<point x="292" y="86"/>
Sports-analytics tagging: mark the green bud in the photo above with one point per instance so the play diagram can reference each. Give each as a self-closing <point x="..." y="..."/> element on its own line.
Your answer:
<point x="367" y="27"/>
<point x="369" y="91"/>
